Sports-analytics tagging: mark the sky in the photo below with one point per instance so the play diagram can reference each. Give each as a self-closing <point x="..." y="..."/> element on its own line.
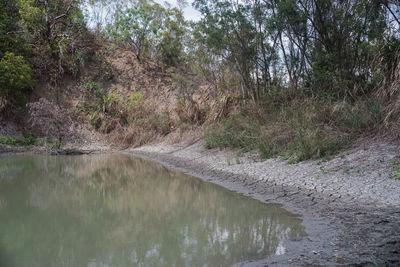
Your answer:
<point x="189" y="12"/>
<point x="100" y="14"/>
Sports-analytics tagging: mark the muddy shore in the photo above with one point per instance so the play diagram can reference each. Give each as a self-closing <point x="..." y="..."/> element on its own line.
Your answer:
<point x="350" y="204"/>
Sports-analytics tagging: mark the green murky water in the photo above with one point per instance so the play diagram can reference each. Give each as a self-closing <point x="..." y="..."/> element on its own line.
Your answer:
<point x="117" y="210"/>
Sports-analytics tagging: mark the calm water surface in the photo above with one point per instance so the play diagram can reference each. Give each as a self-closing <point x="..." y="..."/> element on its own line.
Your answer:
<point x="117" y="210"/>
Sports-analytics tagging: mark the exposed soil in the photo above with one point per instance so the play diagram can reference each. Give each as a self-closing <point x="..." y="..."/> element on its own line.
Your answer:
<point x="350" y="204"/>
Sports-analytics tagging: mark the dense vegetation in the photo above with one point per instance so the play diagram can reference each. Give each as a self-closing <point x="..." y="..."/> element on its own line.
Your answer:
<point x="307" y="76"/>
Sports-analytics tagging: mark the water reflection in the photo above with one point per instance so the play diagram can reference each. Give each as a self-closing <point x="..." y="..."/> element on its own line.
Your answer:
<point x="116" y="210"/>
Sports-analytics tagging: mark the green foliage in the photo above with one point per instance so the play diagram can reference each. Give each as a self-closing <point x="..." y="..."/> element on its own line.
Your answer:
<point x="342" y="59"/>
<point x="106" y="68"/>
<point x="95" y="119"/>
<point x="324" y="170"/>
<point x="315" y="46"/>
<point x="111" y="99"/>
<point x="55" y="30"/>
<point x="309" y="65"/>
<point x="108" y="71"/>
<point x="395" y="169"/>
<point x="171" y="39"/>
<point x="30" y="14"/>
<point x="238" y="132"/>
<point x="10" y="38"/>
<point x="183" y="83"/>
<point x="10" y="141"/>
<point x="301" y="129"/>
<point x="138" y="25"/>
<point x="16" y="77"/>
<point x="151" y="30"/>
<point x="274" y="52"/>
<point x="160" y="123"/>
<point x="228" y="31"/>
<point x="93" y="86"/>
<point x="136" y="99"/>
<point x="78" y="61"/>
<point x="29" y="139"/>
<point x="361" y="116"/>
<point x="181" y="100"/>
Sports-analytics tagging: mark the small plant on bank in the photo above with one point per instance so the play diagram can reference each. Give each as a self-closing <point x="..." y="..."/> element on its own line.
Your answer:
<point x="293" y="160"/>
<point x="136" y="99"/>
<point x="28" y="140"/>
<point x="95" y="119"/>
<point x="237" y="160"/>
<point x="92" y="86"/>
<point x="11" y="141"/>
<point x="106" y="67"/>
<point x="324" y="170"/>
<point x="395" y="169"/>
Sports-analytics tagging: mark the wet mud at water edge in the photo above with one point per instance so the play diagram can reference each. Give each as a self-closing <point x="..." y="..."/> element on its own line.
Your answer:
<point x="118" y="210"/>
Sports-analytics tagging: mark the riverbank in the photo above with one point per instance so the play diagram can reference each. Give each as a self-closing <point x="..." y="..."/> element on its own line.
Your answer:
<point x="350" y="203"/>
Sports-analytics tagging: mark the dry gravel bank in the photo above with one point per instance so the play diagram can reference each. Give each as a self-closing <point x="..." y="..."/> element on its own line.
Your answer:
<point x="350" y="204"/>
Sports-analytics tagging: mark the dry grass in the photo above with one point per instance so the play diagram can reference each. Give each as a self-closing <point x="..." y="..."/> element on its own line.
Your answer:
<point x="127" y="125"/>
<point x="387" y="69"/>
<point x="300" y="129"/>
<point x="190" y="112"/>
<point x="393" y="92"/>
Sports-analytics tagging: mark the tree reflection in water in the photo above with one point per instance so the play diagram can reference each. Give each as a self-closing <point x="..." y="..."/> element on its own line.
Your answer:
<point x="117" y="210"/>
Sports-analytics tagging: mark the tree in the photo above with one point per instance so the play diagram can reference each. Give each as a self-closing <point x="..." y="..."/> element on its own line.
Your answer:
<point x="11" y="37"/>
<point x="171" y="38"/>
<point x="55" y="28"/>
<point x="15" y="78"/>
<point x="138" y="26"/>
<point x="321" y="45"/>
<point x="229" y="30"/>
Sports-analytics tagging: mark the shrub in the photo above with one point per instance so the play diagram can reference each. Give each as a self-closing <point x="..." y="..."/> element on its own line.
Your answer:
<point x="301" y="129"/>
<point x="15" y="77"/>
<point x="106" y="67"/>
<point x="92" y="86"/>
<point x="11" y="141"/>
<point x="239" y="132"/>
<point x="185" y="85"/>
<point x="136" y="99"/>
<point x="95" y="119"/>
<point x="361" y="116"/>
<point x="190" y="112"/>
<point x="29" y="139"/>
<point x="160" y="123"/>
